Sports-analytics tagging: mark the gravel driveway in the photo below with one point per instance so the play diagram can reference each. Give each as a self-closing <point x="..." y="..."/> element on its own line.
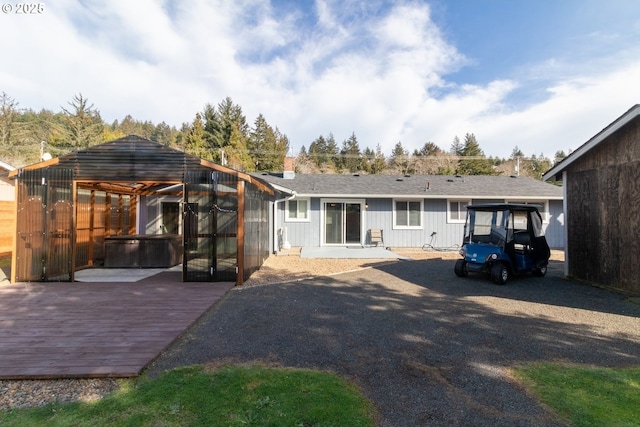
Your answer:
<point x="427" y="347"/>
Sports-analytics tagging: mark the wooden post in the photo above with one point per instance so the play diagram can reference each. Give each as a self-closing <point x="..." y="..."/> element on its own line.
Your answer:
<point x="133" y="206"/>
<point x="107" y="215"/>
<point x="92" y="219"/>
<point x="120" y="220"/>
<point x="14" y="252"/>
<point x="240" y="234"/>
<point x="72" y="231"/>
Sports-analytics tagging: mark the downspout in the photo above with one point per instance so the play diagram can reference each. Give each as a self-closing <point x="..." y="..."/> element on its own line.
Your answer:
<point x="275" y="222"/>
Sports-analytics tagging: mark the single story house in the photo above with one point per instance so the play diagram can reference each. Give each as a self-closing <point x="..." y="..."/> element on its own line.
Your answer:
<point x="403" y="211"/>
<point x="135" y="203"/>
<point x="601" y="182"/>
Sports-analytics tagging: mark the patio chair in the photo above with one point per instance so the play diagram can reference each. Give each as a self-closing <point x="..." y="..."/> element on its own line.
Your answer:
<point x="375" y="236"/>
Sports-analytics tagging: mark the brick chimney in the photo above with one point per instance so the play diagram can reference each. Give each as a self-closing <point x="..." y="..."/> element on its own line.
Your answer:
<point x="289" y="168"/>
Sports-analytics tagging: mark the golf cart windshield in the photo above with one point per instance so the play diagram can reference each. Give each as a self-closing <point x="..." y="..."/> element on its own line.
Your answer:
<point x="488" y="227"/>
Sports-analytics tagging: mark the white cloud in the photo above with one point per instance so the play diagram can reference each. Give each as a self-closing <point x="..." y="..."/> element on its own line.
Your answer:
<point x="379" y="70"/>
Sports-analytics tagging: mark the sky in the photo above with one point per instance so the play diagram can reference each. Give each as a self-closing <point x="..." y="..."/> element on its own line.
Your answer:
<point x="539" y="75"/>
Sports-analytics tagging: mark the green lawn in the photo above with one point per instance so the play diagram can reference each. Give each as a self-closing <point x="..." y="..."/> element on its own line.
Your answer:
<point x="586" y="396"/>
<point x="229" y="396"/>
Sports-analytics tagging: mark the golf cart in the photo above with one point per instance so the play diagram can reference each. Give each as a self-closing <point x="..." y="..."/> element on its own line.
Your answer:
<point x="503" y="239"/>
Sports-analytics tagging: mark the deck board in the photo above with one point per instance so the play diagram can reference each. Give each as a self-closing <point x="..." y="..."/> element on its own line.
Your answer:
<point x="107" y="329"/>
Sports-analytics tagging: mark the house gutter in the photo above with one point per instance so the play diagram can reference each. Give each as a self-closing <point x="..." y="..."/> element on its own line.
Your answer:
<point x="424" y="196"/>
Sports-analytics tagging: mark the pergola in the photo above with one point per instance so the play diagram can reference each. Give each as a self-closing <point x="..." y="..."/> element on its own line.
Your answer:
<point x="67" y="207"/>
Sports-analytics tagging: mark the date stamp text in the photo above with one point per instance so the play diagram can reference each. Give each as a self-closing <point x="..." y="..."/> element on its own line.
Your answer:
<point x="22" y="8"/>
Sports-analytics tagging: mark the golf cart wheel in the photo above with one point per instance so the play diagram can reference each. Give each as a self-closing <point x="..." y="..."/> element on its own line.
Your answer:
<point x="461" y="268"/>
<point x="540" y="271"/>
<point x="499" y="273"/>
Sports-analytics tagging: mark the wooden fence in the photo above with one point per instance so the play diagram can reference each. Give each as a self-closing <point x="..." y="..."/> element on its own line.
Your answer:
<point x="7" y="226"/>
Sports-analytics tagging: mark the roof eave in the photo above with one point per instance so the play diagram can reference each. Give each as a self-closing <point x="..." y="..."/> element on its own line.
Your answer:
<point x="627" y="117"/>
<point x="423" y="196"/>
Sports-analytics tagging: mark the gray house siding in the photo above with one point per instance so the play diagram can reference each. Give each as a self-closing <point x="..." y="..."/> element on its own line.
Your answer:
<point x="555" y="227"/>
<point x="376" y="197"/>
<point x="378" y="216"/>
<point x="437" y="231"/>
<point x="301" y="233"/>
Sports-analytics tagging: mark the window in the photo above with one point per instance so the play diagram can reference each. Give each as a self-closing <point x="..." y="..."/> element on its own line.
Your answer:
<point x="457" y="210"/>
<point x="542" y="205"/>
<point x="407" y="214"/>
<point x="297" y="210"/>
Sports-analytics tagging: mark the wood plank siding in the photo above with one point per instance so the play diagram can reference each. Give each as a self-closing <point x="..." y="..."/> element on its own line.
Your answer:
<point x="603" y="211"/>
<point x="7" y="226"/>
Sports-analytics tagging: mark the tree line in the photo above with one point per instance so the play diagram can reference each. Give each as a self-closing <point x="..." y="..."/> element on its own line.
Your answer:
<point x="221" y="133"/>
<point x="465" y="157"/>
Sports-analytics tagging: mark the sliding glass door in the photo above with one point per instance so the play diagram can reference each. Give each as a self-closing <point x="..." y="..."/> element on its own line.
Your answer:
<point x="342" y="222"/>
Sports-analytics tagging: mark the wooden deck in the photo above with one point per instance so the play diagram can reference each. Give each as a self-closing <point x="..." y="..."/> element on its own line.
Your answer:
<point x="107" y="329"/>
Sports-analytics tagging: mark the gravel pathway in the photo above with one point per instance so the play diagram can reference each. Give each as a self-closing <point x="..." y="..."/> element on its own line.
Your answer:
<point x="426" y="347"/>
<point x="30" y="393"/>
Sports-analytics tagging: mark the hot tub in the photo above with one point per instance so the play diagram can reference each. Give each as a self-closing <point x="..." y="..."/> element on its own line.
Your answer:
<point x="143" y="251"/>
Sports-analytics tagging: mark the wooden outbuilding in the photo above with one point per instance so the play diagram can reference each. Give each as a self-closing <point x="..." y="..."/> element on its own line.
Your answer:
<point x="601" y="181"/>
<point x="135" y="203"/>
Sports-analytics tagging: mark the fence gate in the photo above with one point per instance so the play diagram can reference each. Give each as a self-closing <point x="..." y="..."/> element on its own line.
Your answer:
<point x="199" y="227"/>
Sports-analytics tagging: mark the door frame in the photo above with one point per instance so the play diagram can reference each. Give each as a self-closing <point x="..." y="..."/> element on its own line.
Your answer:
<point x="323" y="237"/>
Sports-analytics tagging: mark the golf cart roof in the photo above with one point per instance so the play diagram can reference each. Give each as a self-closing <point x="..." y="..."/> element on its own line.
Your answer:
<point x="504" y="206"/>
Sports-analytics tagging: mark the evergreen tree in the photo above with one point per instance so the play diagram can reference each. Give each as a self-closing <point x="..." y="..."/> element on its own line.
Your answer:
<point x="380" y="162"/>
<point x="265" y="146"/>
<point x="194" y="140"/>
<point x="333" y="153"/>
<point x="457" y="147"/>
<point x="8" y="114"/>
<point x="282" y="147"/>
<point x="163" y="134"/>
<point x="538" y="166"/>
<point x="400" y="161"/>
<point x="128" y="126"/>
<point x="516" y="153"/>
<point x="430" y="159"/>
<point x="351" y="155"/>
<point x="430" y="149"/>
<point x="475" y="162"/>
<point x="219" y="125"/>
<point x="83" y="122"/>
<point x="236" y="153"/>
<point x="318" y="151"/>
<point x="559" y="156"/>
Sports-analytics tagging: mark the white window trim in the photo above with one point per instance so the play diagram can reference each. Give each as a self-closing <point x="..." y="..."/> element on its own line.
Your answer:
<point x="545" y="215"/>
<point x="464" y="217"/>
<point x="408" y="227"/>
<point x="286" y="211"/>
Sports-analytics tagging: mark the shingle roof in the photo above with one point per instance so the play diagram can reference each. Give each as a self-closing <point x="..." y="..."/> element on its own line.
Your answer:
<point x="134" y="159"/>
<point x="427" y="186"/>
